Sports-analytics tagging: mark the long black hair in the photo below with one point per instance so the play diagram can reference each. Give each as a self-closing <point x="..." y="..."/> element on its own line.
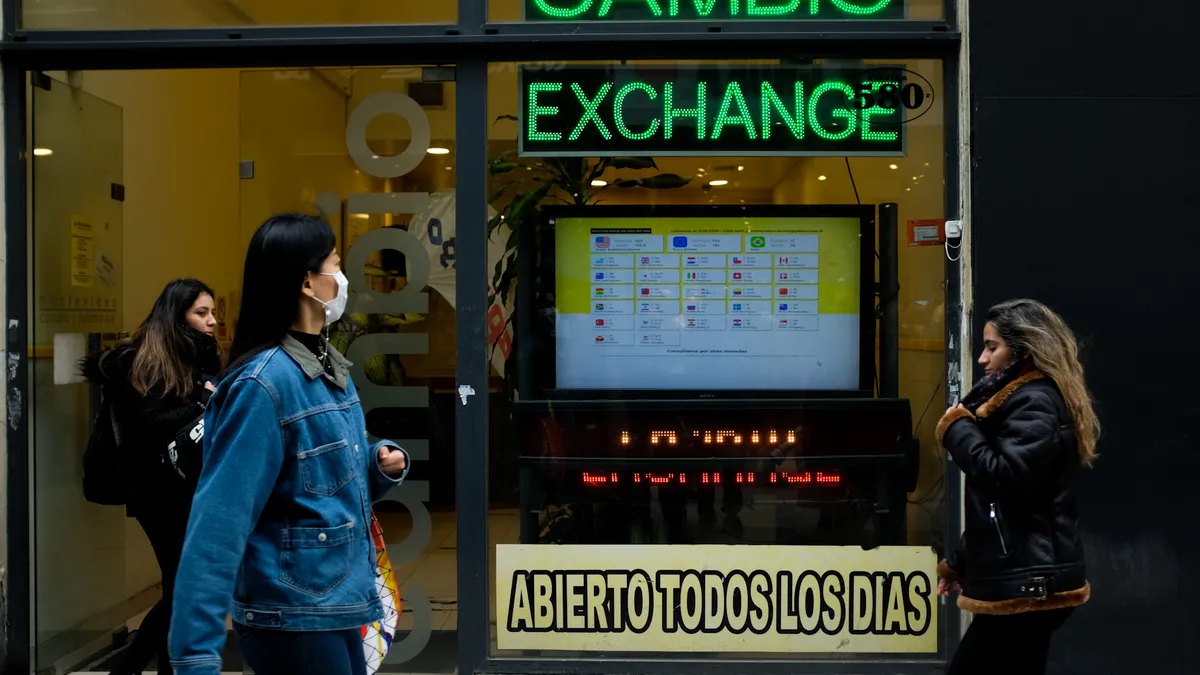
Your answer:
<point x="282" y="253"/>
<point x="166" y="350"/>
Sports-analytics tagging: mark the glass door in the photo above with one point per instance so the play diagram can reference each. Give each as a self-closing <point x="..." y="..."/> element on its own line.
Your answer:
<point x="81" y="566"/>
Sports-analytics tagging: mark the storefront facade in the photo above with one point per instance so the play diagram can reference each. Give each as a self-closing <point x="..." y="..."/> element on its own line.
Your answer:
<point x="670" y="391"/>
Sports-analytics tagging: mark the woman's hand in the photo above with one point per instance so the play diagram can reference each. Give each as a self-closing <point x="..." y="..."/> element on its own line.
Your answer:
<point x="947" y="586"/>
<point x="953" y="408"/>
<point x="392" y="460"/>
<point x="209" y="386"/>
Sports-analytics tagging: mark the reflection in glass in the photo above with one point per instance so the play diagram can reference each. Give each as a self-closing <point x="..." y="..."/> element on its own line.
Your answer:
<point x="145" y="14"/>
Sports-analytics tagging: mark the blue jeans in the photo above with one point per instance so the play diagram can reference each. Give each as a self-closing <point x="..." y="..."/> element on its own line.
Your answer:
<point x="279" y="652"/>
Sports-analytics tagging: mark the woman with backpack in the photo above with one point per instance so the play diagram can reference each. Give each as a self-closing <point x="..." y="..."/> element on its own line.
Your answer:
<point x="157" y="383"/>
<point x="280" y="535"/>
<point x="1020" y="437"/>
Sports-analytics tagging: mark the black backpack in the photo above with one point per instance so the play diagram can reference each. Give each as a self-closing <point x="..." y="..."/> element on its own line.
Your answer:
<point x="105" y="477"/>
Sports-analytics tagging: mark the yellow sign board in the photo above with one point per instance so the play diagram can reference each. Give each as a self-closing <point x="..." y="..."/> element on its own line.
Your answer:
<point x="811" y="599"/>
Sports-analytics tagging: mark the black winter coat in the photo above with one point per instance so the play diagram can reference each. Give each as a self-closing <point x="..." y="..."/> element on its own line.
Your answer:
<point x="1020" y="550"/>
<point x="148" y="424"/>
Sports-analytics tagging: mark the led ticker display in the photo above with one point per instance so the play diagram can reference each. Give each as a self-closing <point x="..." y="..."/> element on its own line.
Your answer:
<point x="713" y="478"/>
<point x="769" y="437"/>
<point x="715" y="110"/>
<point x="712" y="10"/>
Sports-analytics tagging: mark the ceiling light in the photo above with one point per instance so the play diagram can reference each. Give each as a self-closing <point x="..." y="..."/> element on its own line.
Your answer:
<point x="893" y="167"/>
<point x="718" y="183"/>
<point x="741" y="168"/>
<point x="438" y="151"/>
<point x="42" y="152"/>
<point x="820" y="177"/>
<point x="362" y="216"/>
<point x="449" y="168"/>
<point x="599" y="183"/>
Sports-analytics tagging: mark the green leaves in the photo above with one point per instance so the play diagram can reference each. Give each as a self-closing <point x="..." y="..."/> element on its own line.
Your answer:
<point x="632" y="163"/>
<point x="663" y="181"/>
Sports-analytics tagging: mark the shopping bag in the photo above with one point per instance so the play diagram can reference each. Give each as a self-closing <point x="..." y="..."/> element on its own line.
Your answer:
<point x="377" y="636"/>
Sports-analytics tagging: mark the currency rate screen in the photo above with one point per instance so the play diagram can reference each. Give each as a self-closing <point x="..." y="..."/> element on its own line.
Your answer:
<point x="708" y="303"/>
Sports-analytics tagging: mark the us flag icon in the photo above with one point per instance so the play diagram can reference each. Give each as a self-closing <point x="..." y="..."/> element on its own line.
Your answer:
<point x="603" y="242"/>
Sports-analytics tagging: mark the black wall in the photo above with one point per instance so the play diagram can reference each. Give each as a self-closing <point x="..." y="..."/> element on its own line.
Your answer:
<point x="1086" y="189"/>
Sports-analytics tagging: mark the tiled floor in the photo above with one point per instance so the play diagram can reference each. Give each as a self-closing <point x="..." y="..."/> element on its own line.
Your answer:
<point x="434" y="572"/>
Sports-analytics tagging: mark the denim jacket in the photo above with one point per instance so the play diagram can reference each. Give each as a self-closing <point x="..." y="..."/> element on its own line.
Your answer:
<point x="279" y="534"/>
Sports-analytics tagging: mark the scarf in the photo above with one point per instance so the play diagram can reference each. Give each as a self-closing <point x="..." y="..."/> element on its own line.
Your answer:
<point x="993" y="382"/>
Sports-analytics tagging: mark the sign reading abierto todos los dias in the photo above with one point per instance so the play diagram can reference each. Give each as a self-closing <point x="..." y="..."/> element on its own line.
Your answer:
<point x="712" y="10"/>
<point x="738" y="110"/>
<point x="717" y="599"/>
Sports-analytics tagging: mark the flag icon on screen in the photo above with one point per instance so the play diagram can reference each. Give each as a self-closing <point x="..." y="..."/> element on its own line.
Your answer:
<point x="645" y="260"/>
<point x="737" y="260"/>
<point x="691" y="308"/>
<point x="645" y="307"/>
<point x="679" y="242"/>
<point x="737" y="306"/>
<point x="599" y="306"/>
<point x="599" y="291"/>
<point x="693" y="276"/>
<point x="783" y="261"/>
<point x="603" y="242"/>
<point x="737" y="292"/>
<point x="691" y="323"/>
<point x="599" y="338"/>
<point x="600" y="260"/>
<point x="599" y="322"/>
<point x="691" y="260"/>
<point x="599" y="276"/>
<point x="783" y="322"/>
<point x="783" y="291"/>
<point x="645" y="291"/>
<point x="783" y="306"/>
<point x="737" y="322"/>
<point x="737" y="276"/>
<point x="783" y="276"/>
<point x="758" y="242"/>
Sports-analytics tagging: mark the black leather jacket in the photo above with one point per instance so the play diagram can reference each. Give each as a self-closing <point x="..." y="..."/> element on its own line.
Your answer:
<point x="1020" y="458"/>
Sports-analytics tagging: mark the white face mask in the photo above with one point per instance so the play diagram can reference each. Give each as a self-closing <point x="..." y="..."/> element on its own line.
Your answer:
<point x="337" y="306"/>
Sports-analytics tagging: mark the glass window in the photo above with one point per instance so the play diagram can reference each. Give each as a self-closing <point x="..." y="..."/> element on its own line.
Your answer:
<point x="692" y="369"/>
<point x="141" y="177"/>
<point x="134" y="14"/>
<point x="713" y="10"/>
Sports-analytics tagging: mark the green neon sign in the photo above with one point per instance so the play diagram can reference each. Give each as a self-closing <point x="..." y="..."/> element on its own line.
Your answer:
<point x="712" y="10"/>
<point x="591" y="111"/>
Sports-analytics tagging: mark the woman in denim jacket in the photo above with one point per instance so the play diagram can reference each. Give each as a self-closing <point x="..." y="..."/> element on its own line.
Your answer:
<point x="279" y="535"/>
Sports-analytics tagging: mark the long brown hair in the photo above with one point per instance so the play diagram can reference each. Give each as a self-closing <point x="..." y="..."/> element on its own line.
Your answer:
<point x="1033" y="329"/>
<point x="165" y="348"/>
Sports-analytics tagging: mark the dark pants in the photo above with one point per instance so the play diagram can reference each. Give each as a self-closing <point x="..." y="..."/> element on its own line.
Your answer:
<point x="1007" y="645"/>
<point x="165" y="527"/>
<point x="278" y="652"/>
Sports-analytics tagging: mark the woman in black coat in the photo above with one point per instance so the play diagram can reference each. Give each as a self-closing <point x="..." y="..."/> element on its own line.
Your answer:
<point x="1020" y="437"/>
<point x="158" y="383"/>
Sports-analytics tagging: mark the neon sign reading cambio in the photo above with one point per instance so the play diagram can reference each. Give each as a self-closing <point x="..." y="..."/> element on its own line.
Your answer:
<point x="723" y="10"/>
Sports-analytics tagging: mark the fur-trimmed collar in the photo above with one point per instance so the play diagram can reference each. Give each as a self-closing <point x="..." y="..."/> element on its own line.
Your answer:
<point x="990" y="406"/>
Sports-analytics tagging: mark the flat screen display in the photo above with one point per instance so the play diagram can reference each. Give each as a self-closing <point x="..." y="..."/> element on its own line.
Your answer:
<point x="711" y="299"/>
